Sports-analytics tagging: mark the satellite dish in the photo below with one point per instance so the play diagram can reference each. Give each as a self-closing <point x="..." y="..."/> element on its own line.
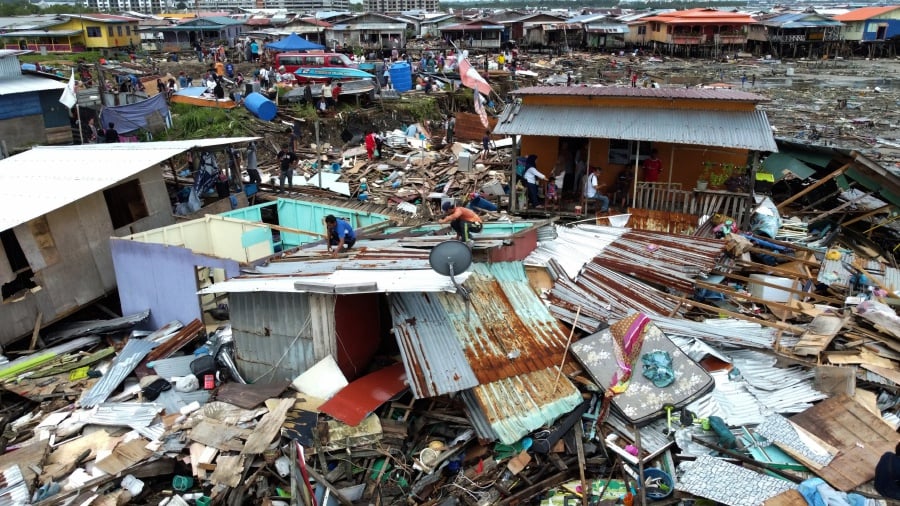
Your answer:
<point x="450" y="258"/>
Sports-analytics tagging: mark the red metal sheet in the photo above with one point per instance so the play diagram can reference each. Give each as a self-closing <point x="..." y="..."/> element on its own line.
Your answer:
<point x="352" y="404"/>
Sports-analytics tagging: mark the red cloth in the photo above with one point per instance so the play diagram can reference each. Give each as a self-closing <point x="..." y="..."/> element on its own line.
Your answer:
<point x="472" y="79"/>
<point x="370" y="145"/>
<point x="652" y="169"/>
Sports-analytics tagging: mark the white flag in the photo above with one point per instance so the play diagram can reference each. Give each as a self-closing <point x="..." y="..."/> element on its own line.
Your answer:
<point x="479" y="108"/>
<point x="68" y="98"/>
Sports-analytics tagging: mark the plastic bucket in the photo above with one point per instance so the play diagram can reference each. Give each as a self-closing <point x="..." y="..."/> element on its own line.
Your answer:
<point x="401" y="76"/>
<point x="657" y="483"/>
<point x="261" y="107"/>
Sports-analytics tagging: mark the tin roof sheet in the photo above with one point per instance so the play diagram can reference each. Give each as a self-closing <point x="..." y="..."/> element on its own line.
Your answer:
<point x="26" y="84"/>
<point x="46" y="178"/>
<point x="507" y="331"/>
<point x="649" y="93"/>
<point x="343" y="281"/>
<point x="737" y="129"/>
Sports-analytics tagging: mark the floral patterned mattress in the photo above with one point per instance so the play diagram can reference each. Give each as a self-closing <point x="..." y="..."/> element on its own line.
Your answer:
<point x="642" y="402"/>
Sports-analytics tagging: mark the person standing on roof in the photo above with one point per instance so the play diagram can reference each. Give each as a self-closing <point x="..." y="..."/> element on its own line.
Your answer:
<point x="463" y="221"/>
<point x="340" y="235"/>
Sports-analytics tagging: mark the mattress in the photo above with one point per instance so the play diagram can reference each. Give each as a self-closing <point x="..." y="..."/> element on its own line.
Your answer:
<point x="642" y="402"/>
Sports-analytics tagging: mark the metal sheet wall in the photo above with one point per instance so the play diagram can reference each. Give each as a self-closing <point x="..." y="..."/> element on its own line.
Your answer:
<point x="272" y="334"/>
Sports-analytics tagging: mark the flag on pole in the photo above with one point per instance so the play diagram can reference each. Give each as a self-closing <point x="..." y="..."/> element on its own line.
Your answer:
<point x="479" y="108"/>
<point x="471" y="78"/>
<point x="68" y="98"/>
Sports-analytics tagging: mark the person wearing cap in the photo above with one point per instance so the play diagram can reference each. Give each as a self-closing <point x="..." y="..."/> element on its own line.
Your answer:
<point x="340" y="235"/>
<point x="463" y="221"/>
<point x="592" y="189"/>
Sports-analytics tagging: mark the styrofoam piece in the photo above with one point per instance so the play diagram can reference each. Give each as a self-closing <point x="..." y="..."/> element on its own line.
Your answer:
<point x="322" y="380"/>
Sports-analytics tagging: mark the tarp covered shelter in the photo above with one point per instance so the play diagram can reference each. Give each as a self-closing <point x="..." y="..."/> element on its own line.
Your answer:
<point x="146" y="115"/>
<point x="293" y="42"/>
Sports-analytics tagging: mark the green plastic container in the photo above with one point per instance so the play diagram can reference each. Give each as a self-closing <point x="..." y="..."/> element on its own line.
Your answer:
<point x="182" y="483"/>
<point x="203" y="501"/>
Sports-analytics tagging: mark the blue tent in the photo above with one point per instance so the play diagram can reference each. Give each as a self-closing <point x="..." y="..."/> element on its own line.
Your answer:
<point x="293" y="42"/>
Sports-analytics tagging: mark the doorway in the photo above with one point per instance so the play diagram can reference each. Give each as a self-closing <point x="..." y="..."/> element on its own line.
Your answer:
<point x="213" y="306"/>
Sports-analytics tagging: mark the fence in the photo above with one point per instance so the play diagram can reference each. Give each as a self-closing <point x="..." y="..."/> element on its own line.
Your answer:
<point x="670" y="197"/>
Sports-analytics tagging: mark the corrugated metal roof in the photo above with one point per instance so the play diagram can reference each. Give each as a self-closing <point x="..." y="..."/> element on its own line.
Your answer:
<point x="649" y="93"/>
<point x="26" y="84"/>
<point x="574" y="246"/>
<point x="508" y="332"/>
<point x="516" y="406"/>
<point x="39" y="33"/>
<point x="124" y="363"/>
<point x="837" y="272"/>
<point x="46" y="178"/>
<point x="735" y="129"/>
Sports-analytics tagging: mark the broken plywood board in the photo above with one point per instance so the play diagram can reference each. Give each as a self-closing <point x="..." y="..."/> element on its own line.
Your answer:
<point x="834" y="380"/>
<point x="219" y="435"/>
<point x="860" y="436"/>
<point x="124" y="456"/>
<point x="250" y="396"/>
<point x="268" y="428"/>
<point x="95" y="443"/>
<point x="228" y="470"/>
<point x="200" y="455"/>
<point x="819" y="334"/>
<point x="28" y="458"/>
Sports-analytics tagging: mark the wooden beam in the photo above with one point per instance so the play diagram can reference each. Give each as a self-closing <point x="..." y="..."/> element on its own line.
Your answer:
<point x="334" y="491"/>
<point x="884" y="208"/>
<point x="579" y="446"/>
<point x="813" y="186"/>
<point x="36" y="333"/>
<point x="293" y="230"/>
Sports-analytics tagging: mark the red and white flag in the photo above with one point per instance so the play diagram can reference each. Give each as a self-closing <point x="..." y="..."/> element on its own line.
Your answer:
<point x="471" y="78"/>
<point x="479" y="108"/>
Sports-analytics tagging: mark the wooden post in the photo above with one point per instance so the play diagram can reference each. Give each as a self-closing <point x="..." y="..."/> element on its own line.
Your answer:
<point x="813" y="186"/>
<point x="882" y="209"/>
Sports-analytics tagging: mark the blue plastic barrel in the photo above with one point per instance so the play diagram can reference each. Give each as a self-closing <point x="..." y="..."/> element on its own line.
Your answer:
<point x="261" y="107"/>
<point x="29" y="66"/>
<point x="401" y="76"/>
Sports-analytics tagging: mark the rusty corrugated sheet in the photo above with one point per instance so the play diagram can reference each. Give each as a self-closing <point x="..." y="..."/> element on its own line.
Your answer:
<point x="664" y="259"/>
<point x="469" y="127"/>
<point x="509" y="332"/>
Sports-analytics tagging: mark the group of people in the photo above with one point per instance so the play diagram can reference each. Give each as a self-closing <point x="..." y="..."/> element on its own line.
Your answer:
<point x="95" y="135"/>
<point x="593" y="189"/>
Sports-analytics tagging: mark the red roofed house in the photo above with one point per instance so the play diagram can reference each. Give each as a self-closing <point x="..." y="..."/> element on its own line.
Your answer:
<point x="691" y="32"/>
<point x="876" y="29"/>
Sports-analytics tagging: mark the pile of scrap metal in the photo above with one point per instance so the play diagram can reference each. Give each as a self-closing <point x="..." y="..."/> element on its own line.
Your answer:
<point x="689" y="366"/>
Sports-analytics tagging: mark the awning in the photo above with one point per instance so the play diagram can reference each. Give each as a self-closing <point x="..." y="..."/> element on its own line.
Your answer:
<point x="732" y="129"/>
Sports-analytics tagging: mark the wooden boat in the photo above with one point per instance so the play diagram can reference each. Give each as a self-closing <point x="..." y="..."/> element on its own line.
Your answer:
<point x="196" y="96"/>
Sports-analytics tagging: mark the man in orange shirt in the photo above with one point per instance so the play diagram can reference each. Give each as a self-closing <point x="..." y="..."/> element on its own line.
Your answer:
<point x="462" y="220"/>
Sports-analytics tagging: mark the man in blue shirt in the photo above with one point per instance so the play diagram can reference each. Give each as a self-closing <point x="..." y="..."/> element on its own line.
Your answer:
<point x="340" y="235"/>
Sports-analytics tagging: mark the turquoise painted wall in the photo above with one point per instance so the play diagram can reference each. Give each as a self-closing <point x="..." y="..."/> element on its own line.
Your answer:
<point x="308" y="216"/>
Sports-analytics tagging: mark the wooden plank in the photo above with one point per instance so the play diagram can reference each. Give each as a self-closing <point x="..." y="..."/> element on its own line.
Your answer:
<point x="219" y="435"/>
<point x="228" y="470"/>
<point x="124" y="456"/>
<point x="861" y="437"/>
<point x="787" y="498"/>
<point x="267" y="428"/>
<point x="819" y="334"/>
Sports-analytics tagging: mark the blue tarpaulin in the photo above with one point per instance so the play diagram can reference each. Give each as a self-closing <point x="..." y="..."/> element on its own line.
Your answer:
<point x="293" y="42"/>
<point x="134" y="117"/>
